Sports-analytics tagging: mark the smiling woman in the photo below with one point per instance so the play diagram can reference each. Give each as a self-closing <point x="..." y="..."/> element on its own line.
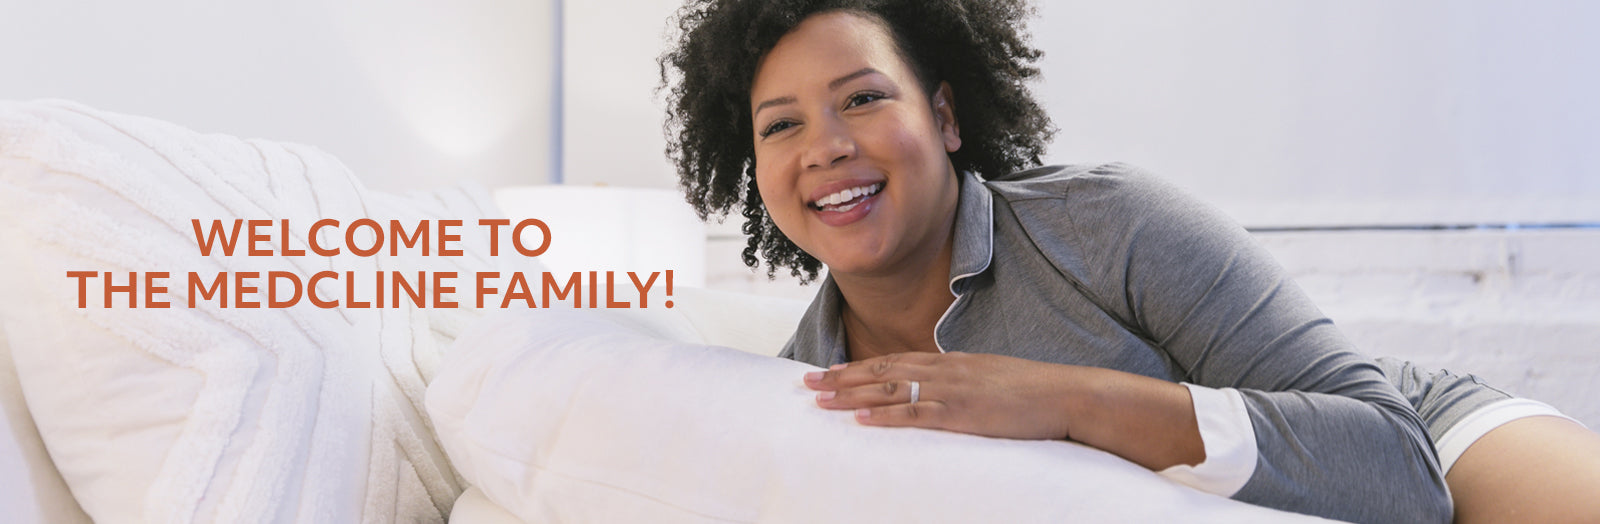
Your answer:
<point x="970" y="290"/>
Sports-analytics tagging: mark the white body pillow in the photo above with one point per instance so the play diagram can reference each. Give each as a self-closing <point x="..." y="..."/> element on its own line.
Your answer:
<point x="577" y="416"/>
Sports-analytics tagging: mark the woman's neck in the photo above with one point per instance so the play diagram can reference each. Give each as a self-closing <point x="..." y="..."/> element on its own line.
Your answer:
<point x="896" y="312"/>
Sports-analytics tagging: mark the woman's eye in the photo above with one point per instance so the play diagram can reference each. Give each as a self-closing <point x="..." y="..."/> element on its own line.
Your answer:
<point x="862" y="99"/>
<point x="776" y="127"/>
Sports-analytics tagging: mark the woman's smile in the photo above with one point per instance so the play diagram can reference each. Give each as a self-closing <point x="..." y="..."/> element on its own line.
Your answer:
<point x="845" y="202"/>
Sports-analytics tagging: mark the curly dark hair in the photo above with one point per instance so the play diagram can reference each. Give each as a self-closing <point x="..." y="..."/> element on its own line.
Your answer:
<point x="977" y="46"/>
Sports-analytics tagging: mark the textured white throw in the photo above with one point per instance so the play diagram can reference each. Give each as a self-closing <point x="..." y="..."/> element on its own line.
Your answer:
<point x="296" y="414"/>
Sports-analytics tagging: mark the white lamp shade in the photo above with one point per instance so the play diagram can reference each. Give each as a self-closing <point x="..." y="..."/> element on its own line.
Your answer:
<point x="612" y="229"/>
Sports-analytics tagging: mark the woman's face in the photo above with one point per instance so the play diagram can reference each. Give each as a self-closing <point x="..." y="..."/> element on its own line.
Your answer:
<point x="851" y="155"/>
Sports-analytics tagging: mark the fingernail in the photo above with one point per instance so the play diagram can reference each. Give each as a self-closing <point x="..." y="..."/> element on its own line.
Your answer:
<point x="863" y="413"/>
<point x="837" y="366"/>
<point x="813" y="376"/>
<point x="825" y="396"/>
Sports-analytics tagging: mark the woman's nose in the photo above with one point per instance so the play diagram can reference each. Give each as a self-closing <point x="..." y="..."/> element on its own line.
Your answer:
<point x="829" y="145"/>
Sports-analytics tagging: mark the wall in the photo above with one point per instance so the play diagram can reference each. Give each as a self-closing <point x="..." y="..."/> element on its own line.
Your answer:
<point x="611" y="116"/>
<point x="1318" y="112"/>
<point x="408" y="93"/>
<point x="1285" y="113"/>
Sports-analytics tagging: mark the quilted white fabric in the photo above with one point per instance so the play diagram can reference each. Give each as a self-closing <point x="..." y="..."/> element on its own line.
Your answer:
<point x="215" y="415"/>
<point x="591" y="416"/>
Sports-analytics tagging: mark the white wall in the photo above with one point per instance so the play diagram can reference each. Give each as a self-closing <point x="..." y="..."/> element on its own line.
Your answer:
<point x="1309" y="112"/>
<point x="612" y="120"/>
<point x="408" y="93"/>
<point x="1318" y="112"/>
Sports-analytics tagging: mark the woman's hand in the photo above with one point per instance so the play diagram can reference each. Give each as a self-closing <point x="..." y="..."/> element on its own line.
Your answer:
<point x="1145" y="420"/>
<point x="982" y="394"/>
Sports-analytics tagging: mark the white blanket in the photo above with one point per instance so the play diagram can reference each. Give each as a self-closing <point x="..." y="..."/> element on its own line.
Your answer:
<point x="211" y="414"/>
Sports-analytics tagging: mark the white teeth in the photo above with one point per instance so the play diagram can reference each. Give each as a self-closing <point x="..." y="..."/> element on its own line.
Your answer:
<point x="847" y="195"/>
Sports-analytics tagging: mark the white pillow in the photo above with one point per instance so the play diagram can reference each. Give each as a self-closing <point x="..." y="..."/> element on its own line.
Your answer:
<point x="751" y="323"/>
<point x="30" y="488"/>
<point x="474" y="508"/>
<point x="207" y="414"/>
<point x="575" y="416"/>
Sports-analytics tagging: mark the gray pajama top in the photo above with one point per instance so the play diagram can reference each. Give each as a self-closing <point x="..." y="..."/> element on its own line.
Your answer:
<point x="1111" y="267"/>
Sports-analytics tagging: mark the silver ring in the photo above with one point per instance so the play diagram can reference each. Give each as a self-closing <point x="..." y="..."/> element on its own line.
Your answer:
<point x="916" y="391"/>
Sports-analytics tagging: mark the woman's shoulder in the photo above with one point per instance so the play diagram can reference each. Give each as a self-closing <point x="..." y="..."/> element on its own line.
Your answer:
<point x="1104" y="204"/>
<point x="1085" y="183"/>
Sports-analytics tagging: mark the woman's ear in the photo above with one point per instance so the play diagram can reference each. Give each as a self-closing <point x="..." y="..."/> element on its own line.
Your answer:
<point x="944" y="110"/>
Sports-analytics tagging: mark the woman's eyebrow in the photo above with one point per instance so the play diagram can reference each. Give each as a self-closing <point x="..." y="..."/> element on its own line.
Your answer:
<point x="774" y="102"/>
<point x="832" y="85"/>
<point x="852" y="76"/>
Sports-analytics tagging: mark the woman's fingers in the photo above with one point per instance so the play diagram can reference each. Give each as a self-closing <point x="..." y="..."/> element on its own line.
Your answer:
<point x="872" y="395"/>
<point x="990" y="395"/>
<point x="897" y="366"/>
<point x="922" y="414"/>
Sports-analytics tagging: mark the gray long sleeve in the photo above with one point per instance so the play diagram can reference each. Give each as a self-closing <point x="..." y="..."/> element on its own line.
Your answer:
<point x="1335" y="437"/>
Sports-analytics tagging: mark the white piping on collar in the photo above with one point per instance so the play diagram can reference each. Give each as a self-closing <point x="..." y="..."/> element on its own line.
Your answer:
<point x="972" y="179"/>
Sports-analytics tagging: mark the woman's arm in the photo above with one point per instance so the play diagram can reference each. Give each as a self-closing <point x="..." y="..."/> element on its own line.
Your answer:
<point x="1334" y="436"/>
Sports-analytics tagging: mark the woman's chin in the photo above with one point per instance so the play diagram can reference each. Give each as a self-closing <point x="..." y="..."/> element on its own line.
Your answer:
<point x="857" y="264"/>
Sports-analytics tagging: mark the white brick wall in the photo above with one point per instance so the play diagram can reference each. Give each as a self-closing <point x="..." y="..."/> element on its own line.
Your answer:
<point x="1520" y="308"/>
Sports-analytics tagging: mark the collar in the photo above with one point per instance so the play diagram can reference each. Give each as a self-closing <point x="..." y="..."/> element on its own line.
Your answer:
<point x="820" y="337"/>
<point x="973" y="248"/>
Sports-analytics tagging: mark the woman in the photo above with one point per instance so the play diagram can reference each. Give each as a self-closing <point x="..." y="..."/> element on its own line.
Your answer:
<point x="1091" y="303"/>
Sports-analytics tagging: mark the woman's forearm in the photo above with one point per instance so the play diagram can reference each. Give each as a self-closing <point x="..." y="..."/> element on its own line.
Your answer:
<point x="1147" y="421"/>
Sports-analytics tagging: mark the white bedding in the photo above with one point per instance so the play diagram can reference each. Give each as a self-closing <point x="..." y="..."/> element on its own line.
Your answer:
<point x="588" y="416"/>
<point x="210" y="414"/>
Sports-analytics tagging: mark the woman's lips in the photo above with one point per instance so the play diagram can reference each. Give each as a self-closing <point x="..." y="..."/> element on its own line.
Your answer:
<point x="829" y="192"/>
<point x="849" y="212"/>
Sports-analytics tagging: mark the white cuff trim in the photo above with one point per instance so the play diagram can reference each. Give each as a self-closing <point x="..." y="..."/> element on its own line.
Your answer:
<point x="1479" y="423"/>
<point x="1229" y="439"/>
